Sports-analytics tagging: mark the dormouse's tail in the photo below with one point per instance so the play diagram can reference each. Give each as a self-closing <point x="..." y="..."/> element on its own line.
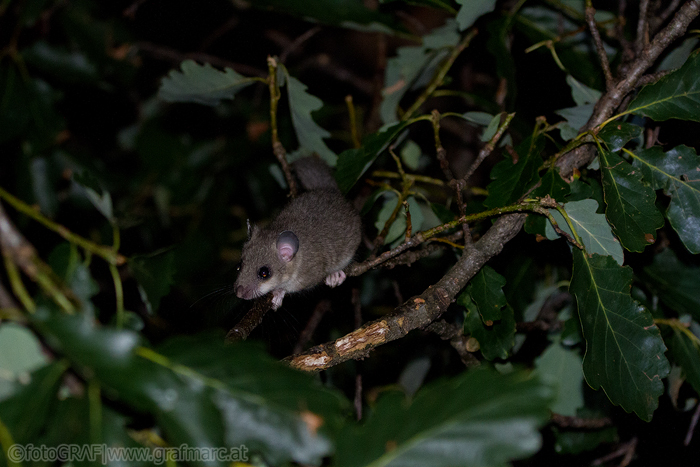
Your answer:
<point x="314" y="174"/>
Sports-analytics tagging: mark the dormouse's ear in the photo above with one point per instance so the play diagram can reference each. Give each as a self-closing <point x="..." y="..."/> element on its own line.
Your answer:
<point x="287" y="245"/>
<point x="252" y="229"/>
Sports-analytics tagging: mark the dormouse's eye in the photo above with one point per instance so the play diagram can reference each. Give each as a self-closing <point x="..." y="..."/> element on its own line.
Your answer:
<point x="264" y="273"/>
<point x="238" y="266"/>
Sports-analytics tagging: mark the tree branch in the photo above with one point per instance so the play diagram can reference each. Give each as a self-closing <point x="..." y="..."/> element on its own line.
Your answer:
<point x="416" y="313"/>
<point x="611" y="100"/>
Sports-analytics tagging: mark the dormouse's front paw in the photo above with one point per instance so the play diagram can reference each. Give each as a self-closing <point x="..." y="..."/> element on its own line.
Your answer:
<point x="277" y="296"/>
<point x="335" y="279"/>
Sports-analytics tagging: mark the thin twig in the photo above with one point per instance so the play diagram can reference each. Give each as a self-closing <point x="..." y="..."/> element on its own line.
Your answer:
<point x="440" y="152"/>
<point x="565" y="421"/>
<point x="691" y="427"/>
<point x="104" y="252"/>
<point x="320" y="310"/>
<point x="439" y="76"/>
<point x="251" y="320"/>
<point x="298" y="42"/>
<point x="277" y="147"/>
<point x="175" y="56"/>
<point x="642" y="40"/>
<point x="489" y="147"/>
<point x="354" y="133"/>
<point x="657" y="21"/>
<point x="600" y="48"/>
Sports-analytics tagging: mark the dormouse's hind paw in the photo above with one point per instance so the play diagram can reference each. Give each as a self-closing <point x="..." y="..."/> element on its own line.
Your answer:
<point x="335" y="279"/>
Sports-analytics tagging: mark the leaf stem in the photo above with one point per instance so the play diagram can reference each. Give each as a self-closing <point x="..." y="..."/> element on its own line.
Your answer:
<point x="106" y="253"/>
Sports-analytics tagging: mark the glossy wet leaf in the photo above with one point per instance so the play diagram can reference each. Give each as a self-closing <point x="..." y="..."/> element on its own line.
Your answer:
<point x="676" y="95"/>
<point x="630" y="203"/>
<point x="677" y="172"/>
<point x="594" y="230"/>
<point x="624" y="350"/>
<point x="201" y="392"/>
<point x="201" y="84"/>
<point x="476" y="419"/>
<point x="617" y="135"/>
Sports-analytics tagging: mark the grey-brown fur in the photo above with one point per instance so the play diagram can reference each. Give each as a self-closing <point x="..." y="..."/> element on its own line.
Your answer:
<point x="328" y="230"/>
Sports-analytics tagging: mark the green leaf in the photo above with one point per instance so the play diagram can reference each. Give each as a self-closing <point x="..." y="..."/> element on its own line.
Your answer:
<point x="565" y="367"/>
<point x="677" y="57"/>
<point x="541" y="23"/>
<point x="675" y="282"/>
<point x="201" y="392"/>
<point x="68" y="66"/>
<point x="511" y="181"/>
<point x="410" y="154"/>
<point x="309" y="134"/>
<point x="578" y="441"/>
<point x="349" y="14"/>
<point x="624" y="349"/>
<point x="398" y="227"/>
<point x="551" y="185"/>
<point x="154" y="275"/>
<point x="353" y="163"/>
<point x="581" y="93"/>
<point x="495" y="339"/>
<point x="576" y="117"/>
<point x="65" y="260"/>
<point x="479" y="418"/>
<point x="27" y="108"/>
<point x="25" y="410"/>
<point x="686" y="351"/>
<point x="498" y="43"/>
<point x="676" y="95"/>
<point x="202" y="84"/>
<point x="594" y="230"/>
<point x="486" y="289"/>
<point x="413" y="67"/>
<point x="20" y="353"/>
<point x="616" y="136"/>
<point x="471" y="10"/>
<point x="677" y="172"/>
<point x="89" y="184"/>
<point x="630" y="203"/>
